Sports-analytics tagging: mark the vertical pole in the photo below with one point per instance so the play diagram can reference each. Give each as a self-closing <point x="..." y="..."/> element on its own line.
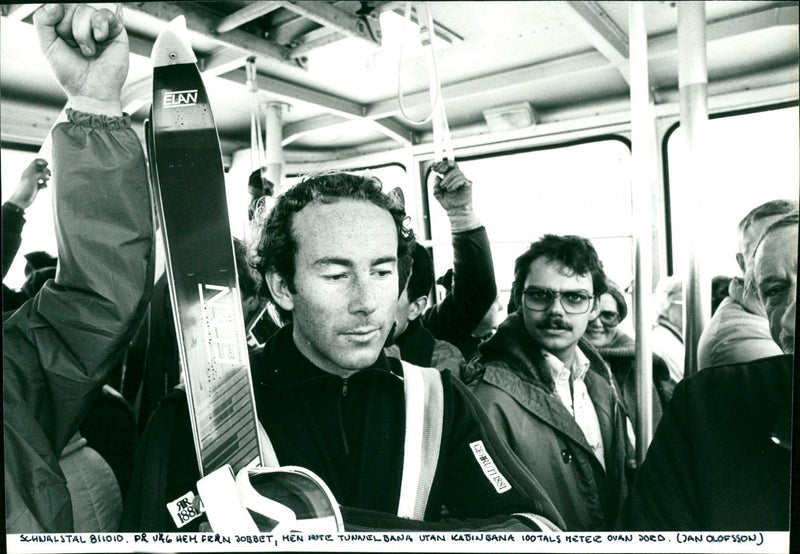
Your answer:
<point x="693" y="84"/>
<point x="642" y="183"/>
<point x="275" y="145"/>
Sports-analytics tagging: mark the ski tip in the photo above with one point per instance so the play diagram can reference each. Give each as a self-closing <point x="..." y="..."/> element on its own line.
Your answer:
<point x="172" y="45"/>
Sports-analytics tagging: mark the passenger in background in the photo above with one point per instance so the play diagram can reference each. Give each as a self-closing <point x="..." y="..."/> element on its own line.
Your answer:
<point x="416" y="344"/>
<point x="33" y="178"/>
<point x="427" y="337"/>
<point x="721" y="458"/>
<point x="738" y="331"/>
<point x="667" y="337"/>
<point x="59" y="348"/>
<point x="619" y="351"/>
<point x="548" y="393"/>
<point x="259" y="187"/>
<point x="487" y="326"/>
<point x="719" y="291"/>
<point x="484" y="330"/>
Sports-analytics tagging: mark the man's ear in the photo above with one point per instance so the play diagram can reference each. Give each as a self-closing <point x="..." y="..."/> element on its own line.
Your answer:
<point x="417" y="308"/>
<point x="740" y="261"/>
<point x="279" y="290"/>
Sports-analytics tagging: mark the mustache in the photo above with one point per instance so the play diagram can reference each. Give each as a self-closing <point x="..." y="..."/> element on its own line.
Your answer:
<point x="554" y="323"/>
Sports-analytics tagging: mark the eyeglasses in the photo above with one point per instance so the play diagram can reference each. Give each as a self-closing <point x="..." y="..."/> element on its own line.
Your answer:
<point x="573" y="301"/>
<point x="609" y="319"/>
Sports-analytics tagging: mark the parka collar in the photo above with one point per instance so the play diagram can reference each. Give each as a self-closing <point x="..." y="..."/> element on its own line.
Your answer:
<point x="513" y="345"/>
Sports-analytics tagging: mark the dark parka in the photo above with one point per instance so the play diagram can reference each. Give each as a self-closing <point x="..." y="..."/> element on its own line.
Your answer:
<point x="59" y="346"/>
<point x="721" y="458"/>
<point x="520" y="397"/>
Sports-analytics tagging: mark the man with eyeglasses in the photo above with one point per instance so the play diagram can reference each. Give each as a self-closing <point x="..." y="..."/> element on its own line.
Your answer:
<point x="549" y="393"/>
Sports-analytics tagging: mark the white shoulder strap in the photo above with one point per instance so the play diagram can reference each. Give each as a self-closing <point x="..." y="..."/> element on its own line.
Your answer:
<point x="424" y="420"/>
<point x="266" y="448"/>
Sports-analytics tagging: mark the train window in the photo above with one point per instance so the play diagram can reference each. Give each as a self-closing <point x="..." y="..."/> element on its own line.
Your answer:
<point x="752" y="158"/>
<point x="391" y="175"/>
<point x="580" y="189"/>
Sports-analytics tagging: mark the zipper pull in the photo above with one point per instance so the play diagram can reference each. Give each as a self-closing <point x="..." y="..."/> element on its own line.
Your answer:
<point x="344" y="387"/>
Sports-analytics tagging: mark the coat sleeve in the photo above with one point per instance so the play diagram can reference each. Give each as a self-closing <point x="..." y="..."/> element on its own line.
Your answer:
<point x="13" y="222"/>
<point x="663" y="495"/>
<point x="60" y="345"/>
<point x="474" y="289"/>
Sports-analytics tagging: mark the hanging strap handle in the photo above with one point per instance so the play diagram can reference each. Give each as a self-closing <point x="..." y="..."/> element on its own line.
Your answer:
<point x="258" y="155"/>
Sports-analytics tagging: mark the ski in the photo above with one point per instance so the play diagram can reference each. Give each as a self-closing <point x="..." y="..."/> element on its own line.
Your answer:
<point x="189" y="187"/>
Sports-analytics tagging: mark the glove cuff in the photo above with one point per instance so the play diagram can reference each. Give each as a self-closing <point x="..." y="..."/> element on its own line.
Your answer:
<point x="463" y="219"/>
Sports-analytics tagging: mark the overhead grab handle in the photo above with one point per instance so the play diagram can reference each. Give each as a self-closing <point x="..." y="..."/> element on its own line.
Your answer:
<point x="258" y="154"/>
<point x="442" y="144"/>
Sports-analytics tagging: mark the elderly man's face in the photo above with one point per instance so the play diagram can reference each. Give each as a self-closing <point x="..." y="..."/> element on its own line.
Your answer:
<point x="775" y="274"/>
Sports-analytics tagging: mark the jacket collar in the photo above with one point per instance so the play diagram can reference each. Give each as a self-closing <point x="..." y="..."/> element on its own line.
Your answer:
<point x="530" y="384"/>
<point x="547" y="407"/>
<point x="669" y="326"/>
<point x="281" y="364"/>
<point x="513" y="345"/>
<point x="621" y="346"/>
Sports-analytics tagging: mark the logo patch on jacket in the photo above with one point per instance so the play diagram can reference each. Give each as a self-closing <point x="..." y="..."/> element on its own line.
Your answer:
<point x="493" y="474"/>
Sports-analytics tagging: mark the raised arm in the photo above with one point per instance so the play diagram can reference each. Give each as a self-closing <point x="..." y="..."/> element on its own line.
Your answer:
<point x="60" y="345"/>
<point x="32" y="179"/>
<point x="474" y="288"/>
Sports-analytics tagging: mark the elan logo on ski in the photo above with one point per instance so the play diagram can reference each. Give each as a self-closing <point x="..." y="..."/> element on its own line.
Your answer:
<point x="179" y="98"/>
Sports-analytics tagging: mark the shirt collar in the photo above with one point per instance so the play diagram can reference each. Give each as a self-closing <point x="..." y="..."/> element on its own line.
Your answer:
<point x="559" y="371"/>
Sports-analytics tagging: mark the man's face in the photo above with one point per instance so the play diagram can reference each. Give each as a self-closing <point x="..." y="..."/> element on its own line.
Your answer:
<point x="775" y="274"/>
<point x="346" y="283"/>
<point x="556" y="330"/>
<point x="603" y="329"/>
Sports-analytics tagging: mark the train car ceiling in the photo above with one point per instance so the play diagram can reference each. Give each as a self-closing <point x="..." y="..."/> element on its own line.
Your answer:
<point x="335" y="64"/>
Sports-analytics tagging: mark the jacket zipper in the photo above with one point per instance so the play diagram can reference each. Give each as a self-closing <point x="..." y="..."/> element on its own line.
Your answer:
<point x="341" y="418"/>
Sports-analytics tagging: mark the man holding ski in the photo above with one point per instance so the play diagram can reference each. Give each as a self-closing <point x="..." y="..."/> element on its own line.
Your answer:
<point x="394" y="442"/>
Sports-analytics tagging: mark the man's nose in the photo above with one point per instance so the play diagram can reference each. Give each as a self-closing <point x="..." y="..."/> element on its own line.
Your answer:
<point x="556" y="307"/>
<point x="363" y="296"/>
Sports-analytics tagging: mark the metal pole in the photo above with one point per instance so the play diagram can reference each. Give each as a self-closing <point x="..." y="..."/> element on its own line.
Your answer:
<point x="642" y="186"/>
<point x="274" y="145"/>
<point x="693" y="85"/>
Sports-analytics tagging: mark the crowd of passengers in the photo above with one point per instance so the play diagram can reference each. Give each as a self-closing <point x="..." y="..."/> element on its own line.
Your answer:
<point x="534" y="414"/>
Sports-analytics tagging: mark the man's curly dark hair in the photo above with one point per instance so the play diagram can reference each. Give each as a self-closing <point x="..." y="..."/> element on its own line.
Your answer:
<point x="274" y="246"/>
<point x="573" y="252"/>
